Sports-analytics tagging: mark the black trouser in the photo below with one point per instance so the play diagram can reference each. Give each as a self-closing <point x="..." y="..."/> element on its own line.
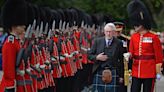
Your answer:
<point x="122" y="88"/>
<point x="64" y="84"/>
<point x="148" y="84"/>
<point x="10" y="90"/>
<point x="83" y="78"/>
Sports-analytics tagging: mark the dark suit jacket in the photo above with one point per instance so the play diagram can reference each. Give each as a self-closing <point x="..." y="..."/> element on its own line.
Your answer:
<point x="117" y="59"/>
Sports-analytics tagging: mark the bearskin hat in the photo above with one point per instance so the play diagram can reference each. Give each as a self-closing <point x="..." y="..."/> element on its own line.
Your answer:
<point x="14" y="13"/>
<point x="138" y="14"/>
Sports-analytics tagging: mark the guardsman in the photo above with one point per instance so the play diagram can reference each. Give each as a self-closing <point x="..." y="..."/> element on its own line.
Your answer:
<point x="2" y="40"/>
<point x="14" y="21"/>
<point x="76" y="44"/>
<point x="145" y="48"/>
<point x="162" y="41"/>
<point x="85" y="43"/>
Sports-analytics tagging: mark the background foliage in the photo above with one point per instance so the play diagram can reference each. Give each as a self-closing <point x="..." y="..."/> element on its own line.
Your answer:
<point x="115" y="8"/>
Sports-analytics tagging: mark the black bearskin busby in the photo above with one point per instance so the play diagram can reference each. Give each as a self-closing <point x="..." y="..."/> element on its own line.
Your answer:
<point x="139" y="14"/>
<point x="14" y="13"/>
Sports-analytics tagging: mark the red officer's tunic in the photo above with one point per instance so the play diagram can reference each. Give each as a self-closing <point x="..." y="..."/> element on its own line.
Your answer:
<point x="146" y="52"/>
<point x="9" y="54"/>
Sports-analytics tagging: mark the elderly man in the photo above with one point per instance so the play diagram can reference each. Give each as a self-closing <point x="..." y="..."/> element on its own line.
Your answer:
<point x="107" y="55"/>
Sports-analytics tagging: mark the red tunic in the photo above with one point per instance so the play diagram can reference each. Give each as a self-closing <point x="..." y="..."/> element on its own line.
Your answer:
<point x="146" y="52"/>
<point x="67" y="69"/>
<point x="79" y="55"/>
<point x="9" y="54"/>
<point x="57" y="69"/>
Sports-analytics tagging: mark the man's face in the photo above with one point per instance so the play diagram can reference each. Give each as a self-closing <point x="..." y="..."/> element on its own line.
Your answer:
<point x="109" y="32"/>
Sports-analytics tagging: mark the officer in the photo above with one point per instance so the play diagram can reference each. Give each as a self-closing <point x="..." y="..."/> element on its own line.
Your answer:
<point x="125" y="41"/>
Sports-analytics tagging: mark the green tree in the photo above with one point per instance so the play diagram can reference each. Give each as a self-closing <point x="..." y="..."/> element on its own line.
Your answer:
<point x="116" y="8"/>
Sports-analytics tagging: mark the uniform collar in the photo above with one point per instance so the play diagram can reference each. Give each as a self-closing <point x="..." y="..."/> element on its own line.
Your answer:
<point x="15" y="36"/>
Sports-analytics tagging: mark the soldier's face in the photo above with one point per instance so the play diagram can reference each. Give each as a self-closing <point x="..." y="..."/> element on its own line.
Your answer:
<point x="20" y="30"/>
<point x="138" y="28"/>
<point x="117" y="33"/>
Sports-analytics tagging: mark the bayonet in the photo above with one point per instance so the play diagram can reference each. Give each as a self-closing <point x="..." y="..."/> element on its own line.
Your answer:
<point x="41" y="29"/>
<point x="53" y="25"/>
<point x="63" y="27"/>
<point x="82" y="24"/>
<point x="33" y="25"/>
<point x="60" y="24"/>
<point x="46" y="29"/>
<point x="37" y="32"/>
<point x="49" y="34"/>
<point x="28" y="31"/>
<point x="67" y="26"/>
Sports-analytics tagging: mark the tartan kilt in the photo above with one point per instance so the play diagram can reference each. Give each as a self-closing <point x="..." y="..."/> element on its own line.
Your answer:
<point x="100" y="86"/>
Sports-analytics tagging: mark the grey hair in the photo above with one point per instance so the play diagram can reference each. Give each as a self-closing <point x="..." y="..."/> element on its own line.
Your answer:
<point x="110" y="25"/>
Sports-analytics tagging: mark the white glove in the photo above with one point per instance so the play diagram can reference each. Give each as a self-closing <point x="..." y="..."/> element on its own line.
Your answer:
<point x="84" y="49"/>
<point x="76" y="52"/>
<point x="71" y="55"/>
<point x="28" y="70"/>
<point x="37" y="65"/>
<point x="42" y="66"/>
<point x="21" y="72"/>
<point x="53" y="59"/>
<point x="47" y="62"/>
<point x="66" y="55"/>
<point x="127" y="56"/>
<point x="62" y="58"/>
<point x="158" y="76"/>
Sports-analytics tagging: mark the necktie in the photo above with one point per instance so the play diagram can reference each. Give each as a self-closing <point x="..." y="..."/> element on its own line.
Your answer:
<point x="109" y="42"/>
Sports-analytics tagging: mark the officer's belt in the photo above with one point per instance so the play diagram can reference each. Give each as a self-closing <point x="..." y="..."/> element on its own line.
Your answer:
<point x="24" y="82"/>
<point x="144" y="57"/>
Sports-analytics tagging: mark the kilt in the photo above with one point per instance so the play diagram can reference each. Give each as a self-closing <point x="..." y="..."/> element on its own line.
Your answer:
<point x="100" y="86"/>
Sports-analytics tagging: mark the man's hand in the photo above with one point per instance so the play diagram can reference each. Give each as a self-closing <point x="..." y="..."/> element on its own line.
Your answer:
<point x="158" y="68"/>
<point x="102" y="57"/>
<point x="121" y="80"/>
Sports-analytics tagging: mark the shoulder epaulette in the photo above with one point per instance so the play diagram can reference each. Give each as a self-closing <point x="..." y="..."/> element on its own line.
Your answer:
<point x="11" y="39"/>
